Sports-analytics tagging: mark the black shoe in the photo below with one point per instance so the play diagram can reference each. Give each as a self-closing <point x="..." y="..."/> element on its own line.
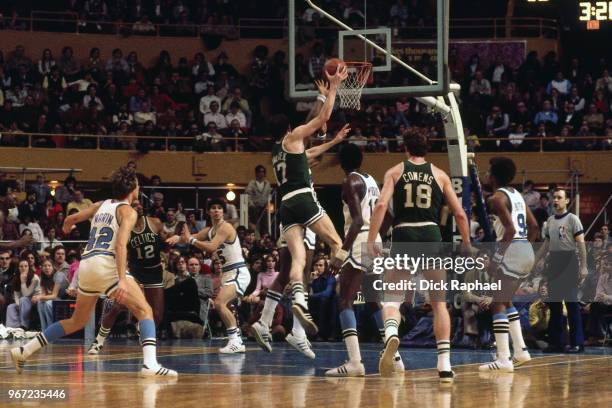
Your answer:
<point x="575" y="350"/>
<point x="553" y="349"/>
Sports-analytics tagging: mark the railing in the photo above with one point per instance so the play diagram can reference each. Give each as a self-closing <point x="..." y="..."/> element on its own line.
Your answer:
<point x="185" y="143"/>
<point x="495" y="28"/>
<point x="603" y="211"/>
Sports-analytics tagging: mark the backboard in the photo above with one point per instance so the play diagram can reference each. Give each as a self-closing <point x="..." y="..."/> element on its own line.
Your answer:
<point x="406" y="41"/>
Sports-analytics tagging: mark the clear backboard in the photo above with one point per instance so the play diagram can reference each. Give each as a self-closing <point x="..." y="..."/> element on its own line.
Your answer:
<point x="405" y="40"/>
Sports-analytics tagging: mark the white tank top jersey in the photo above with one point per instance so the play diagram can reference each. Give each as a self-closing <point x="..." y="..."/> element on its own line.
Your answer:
<point x="104" y="229"/>
<point x="367" y="203"/>
<point x="229" y="253"/>
<point x="518" y="213"/>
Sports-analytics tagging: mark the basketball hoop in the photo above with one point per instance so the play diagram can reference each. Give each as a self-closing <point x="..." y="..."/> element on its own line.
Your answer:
<point x="349" y="91"/>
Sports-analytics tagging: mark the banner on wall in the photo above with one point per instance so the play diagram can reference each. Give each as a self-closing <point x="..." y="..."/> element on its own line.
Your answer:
<point x="511" y="53"/>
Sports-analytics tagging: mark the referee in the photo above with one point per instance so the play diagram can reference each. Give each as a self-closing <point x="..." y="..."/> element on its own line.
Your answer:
<point x="564" y="234"/>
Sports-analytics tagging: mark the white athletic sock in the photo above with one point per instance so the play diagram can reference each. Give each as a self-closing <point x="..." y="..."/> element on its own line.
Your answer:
<point x="518" y="344"/>
<point x="267" y="314"/>
<point x="234" y="334"/>
<point x="102" y="335"/>
<point x="34" y="345"/>
<point x="149" y="352"/>
<point x="444" y="355"/>
<point x="391" y="326"/>
<point x="500" y="329"/>
<point x="298" y="330"/>
<point x="297" y="289"/>
<point x="352" y="345"/>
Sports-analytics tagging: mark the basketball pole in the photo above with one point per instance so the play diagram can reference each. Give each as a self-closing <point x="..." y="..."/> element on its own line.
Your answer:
<point x="446" y="105"/>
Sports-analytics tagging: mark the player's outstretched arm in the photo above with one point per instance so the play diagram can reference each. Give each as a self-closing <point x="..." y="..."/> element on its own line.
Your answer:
<point x="81" y="216"/>
<point x="306" y="130"/>
<point x="316" y="151"/>
<point x="220" y="237"/>
<point x="350" y="191"/>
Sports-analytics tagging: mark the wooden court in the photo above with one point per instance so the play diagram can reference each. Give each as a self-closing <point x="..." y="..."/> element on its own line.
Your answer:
<point x="285" y="379"/>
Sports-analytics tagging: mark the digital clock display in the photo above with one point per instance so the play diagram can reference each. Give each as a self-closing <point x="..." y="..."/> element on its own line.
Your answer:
<point x="595" y="10"/>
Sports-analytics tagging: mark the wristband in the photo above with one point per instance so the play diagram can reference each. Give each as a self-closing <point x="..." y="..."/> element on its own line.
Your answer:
<point x="192" y="241"/>
<point x="498" y="257"/>
<point x="322" y="98"/>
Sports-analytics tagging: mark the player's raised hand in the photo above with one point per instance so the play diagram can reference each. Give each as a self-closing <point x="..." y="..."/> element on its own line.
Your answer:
<point x="342" y="133"/>
<point x="340" y="75"/>
<point x="322" y="86"/>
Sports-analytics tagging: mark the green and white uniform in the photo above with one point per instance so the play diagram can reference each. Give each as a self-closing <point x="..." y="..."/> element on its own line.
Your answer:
<point x="299" y="204"/>
<point x="417" y="202"/>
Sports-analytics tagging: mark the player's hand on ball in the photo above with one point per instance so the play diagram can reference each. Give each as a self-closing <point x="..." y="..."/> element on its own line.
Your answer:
<point x="322" y="87"/>
<point x="340" y="75"/>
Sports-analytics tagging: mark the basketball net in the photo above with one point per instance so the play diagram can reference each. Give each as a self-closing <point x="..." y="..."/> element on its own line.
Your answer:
<point x="349" y="91"/>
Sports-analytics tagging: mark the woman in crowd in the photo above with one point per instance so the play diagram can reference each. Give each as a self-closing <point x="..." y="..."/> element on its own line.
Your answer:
<point x="25" y="286"/>
<point x="53" y="285"/>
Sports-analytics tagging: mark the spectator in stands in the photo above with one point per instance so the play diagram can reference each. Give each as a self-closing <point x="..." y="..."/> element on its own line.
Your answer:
<point x="595" y="120"/>
<point x="546" y="115"/>
<point x="560" y="83"/>
<point x="516" y="138"/>
<point x="41" y="188"/>
<point x="236" y="96"/>
<point x="25" y="285"/>
<point x="171" y="222"/>
<point x="145" y="114"/>
<point x="480" y="85"/>
<point x="322" y="292"/>
<point x="117" y="65"/>
<point x="214" y="115"/>
<point x="259" y="191"/>
<point x="46" y="62"/>
<point x="264" y="280"/>
<point x="570" y="118"/>
<point x="531" y="196"/>
<point x="542" y="212"/>
<point x="157" y="209"/>
<point x="79" y="202"/>
<point x="53" y="286"/>
<point x="605" y="82"/>
<point x="65" y="193"/>
<point x="236" y="114"/>
<point x="316" y="61"/>
<point x="91" y="100"/>
<point x="497" y="122"/>
<point x="208" y="99"/>
<point x="201" y="65"/>
<point x="31" y="209"/>
<point x="68" y="64"/>
<point x="223" y="65"/>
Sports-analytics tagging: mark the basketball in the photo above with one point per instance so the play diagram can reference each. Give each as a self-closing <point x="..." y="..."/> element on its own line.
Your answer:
<point x="331" y="65"/>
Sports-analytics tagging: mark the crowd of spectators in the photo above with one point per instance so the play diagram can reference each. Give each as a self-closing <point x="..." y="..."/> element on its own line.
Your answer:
<point x="206" y="105"/>
<point x="38" y="264"/>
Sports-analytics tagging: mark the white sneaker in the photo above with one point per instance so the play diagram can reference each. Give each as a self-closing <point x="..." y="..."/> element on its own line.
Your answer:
<point x="18" y="358"/>
<point x="303" y="315"/>
<point x="398" y="364"/>
<point x="498" y="365"/>
<point x="95" y="348"/>
<point x="386" y="362"/>
<point x="233" y="347"/>
<point x="301" y="344"/>
<point x="348" y="369"/>
<point x="521" y="358"/>
<point x="158" y="371"/>
<point x="262" y="336"/>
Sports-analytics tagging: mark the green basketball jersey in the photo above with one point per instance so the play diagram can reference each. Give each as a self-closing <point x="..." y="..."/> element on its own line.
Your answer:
<point x="417" y="196"/>
<point x="291" y="170"/>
